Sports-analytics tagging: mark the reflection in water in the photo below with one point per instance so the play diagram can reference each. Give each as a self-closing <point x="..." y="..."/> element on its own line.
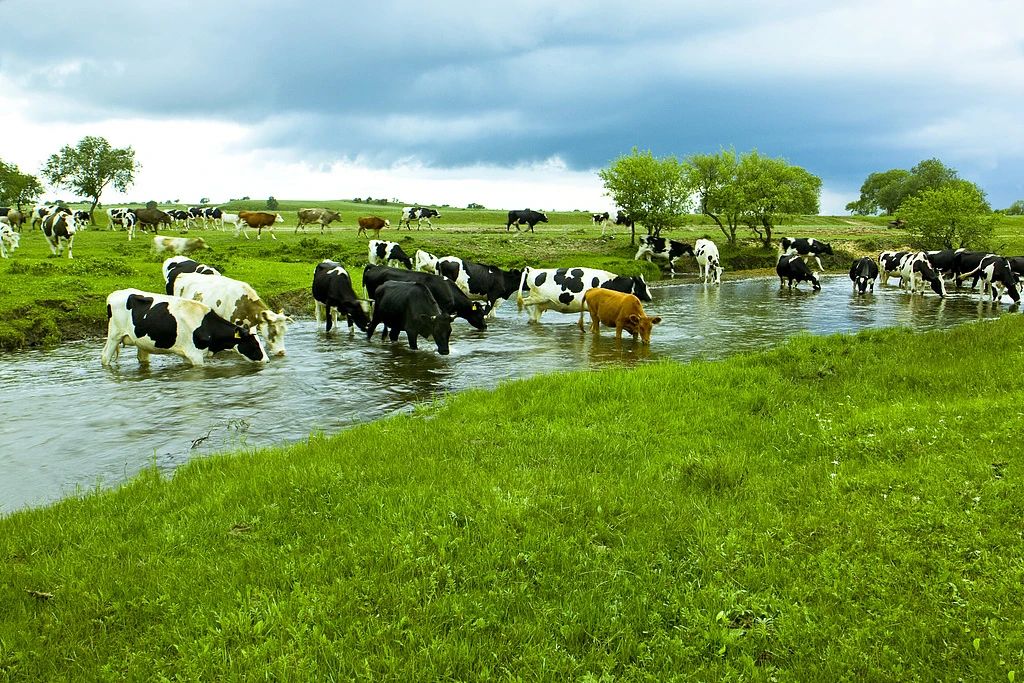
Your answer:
<point x="115" y="421"/>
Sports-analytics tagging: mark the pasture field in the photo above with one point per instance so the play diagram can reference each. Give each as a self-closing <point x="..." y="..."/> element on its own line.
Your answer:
<point x="840" y="508"/>
<point x="45" y="300"/>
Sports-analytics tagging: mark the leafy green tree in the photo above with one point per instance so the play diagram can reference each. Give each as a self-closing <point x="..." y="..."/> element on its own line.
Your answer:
<point x="1015" y="209"/>
<point x="90" y="166"/>
<point x="714" y="177"/>
<point x="204" y="200"/>
<point x="881" y="191"/>
<point x="955" y="215"/>
<point x="18" y="188"/>
<point x="773" y="189"/>
<point x="654" y="192"/>
<point x="272" y="203"/>
<point x="887" y="190"/>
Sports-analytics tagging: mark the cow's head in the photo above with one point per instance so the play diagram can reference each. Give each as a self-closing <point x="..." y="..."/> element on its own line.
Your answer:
<point x="278" y="219"/>
<point x="641" y="325"/>
<point x="440" y="327"/>
<point x="249" y="345"/>
<point x="476" y="314"/>
<point x="938" y="286"/>
<point x="273" y="327"/>
<point x="826" y="248"/>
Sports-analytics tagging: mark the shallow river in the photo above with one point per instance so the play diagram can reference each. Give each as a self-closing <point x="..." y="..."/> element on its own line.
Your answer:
<point x="68" y="423"/>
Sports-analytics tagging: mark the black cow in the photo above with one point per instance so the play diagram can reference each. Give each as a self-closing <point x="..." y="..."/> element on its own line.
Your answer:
<point x="997" y="276"/>
<point x="381" y="252"/>
<point x="661" y="248"/>
<point x="332" y="288"/>
<point x="448" y="296"/>
<point x="527" y="216"/>
<point x="409" y="306"/>
<point x="863" y="273"/>
<point x="792" y="267"/>
<point x="480" y="281"/>
<point x="418" y="214"/>
<point x="1016" y="265"/>
<point x="943" y="260"/>
<point x="964" y="262"/>
<point x="178" y="265"/>
<point x="806" y="246"/>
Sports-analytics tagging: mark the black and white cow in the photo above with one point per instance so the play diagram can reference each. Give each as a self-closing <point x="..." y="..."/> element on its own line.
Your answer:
<point x="890" y="263"/>
<point x="196" y="214"/>
<point x="664" y="249"/>
<point x="863" y="273"/>
<point x="157" y="323"/>
<point x="791" y="267"/>
<point x="964" y="262"/>
<point x="179" y="265"/>
<point x="213" y="213"/>
<point x="118" y="216"/>
<point x="332" y="288"/>
<point x="59" y="228"/>
<point x="708" y="260"/>
<point x="1017" y="266"/>
<point x="915" y="269"/>
<point x="418" y="214"/>
<point x="604" y="219"/>
<point x="943" y="261"/>
<point x="806" y="246"/>
<point x="180" y="216"/>
<point x="525" y="216"/>
<point x="425" y="262"/>
<point x="82" y="217"/>
<point x="448" y="296"/>
<point x="563" y="289"/>
<point x="997" y="277"/>
<point x="42" y="211"/>
<point x="480" y="281"/>
<point x="387" y="253"/>
<point x="409" y="307"/>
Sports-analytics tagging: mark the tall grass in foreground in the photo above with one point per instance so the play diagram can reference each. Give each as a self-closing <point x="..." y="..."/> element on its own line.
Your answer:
<point x="837" y="508"/>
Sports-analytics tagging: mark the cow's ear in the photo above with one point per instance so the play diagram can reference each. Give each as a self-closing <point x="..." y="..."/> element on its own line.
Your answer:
<point x="656" y="320"/>
<point x="634" y="318"/>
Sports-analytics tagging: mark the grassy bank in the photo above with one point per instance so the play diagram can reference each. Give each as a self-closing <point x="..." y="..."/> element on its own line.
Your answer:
<point x="838" y="508"/>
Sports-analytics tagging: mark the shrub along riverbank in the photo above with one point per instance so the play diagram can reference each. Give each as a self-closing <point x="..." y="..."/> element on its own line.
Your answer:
<point x="842" y="507"/>
<point x="44" y="300"/>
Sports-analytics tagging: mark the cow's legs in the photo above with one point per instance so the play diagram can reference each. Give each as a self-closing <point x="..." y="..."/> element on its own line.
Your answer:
<point x="143" y="356"/>
<point x="412" y="339"/>
<point x="818" y="261"/>
<point x="71" y="242"/>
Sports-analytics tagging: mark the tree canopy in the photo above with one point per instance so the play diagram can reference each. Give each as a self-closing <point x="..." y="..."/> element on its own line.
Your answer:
<point x="18" y="188"/>
<point x="955" y="215"/>
<point x="655" y="192"/>
<point x="714" y="177"/>
<point x="88" y="167"/>
<point x="887" y="190"/>
<point x="772" y="189"/>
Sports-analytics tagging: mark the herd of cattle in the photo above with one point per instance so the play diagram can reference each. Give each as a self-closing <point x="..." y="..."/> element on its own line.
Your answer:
<point x="202" y="312"/>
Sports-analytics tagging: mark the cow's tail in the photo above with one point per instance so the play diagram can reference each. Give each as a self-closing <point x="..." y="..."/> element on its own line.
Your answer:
<point x="963" y="276"/>
<point x="522" y="283"/>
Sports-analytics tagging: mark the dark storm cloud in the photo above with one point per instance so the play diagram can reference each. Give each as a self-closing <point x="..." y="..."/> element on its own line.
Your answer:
<point x="463" y="83"/>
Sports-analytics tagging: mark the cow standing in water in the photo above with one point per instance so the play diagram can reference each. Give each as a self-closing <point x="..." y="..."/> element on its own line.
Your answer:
<point x="863" y="273"/>
<point x="409" y="307"/>
<point x="806" y="246"/>
<point x="618" y="310"/>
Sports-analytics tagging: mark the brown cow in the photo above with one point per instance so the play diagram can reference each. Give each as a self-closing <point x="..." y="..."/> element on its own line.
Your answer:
<point x="374" y="223"/>
<point x="322" y="216"/>
<point x="624" y="311"/>
<point x="258" y="220"/>
<point x="151" y="218"/>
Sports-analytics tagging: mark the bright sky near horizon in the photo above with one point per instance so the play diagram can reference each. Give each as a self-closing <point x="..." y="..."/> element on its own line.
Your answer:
<point x="510" y="106"/>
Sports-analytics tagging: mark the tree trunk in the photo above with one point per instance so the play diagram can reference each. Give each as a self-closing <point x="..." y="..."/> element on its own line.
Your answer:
<point x="730" y="240"/>
<point x="767" y="233"/>
<point x="95" y="201"/>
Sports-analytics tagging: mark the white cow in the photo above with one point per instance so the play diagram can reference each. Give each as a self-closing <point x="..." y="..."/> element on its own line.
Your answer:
<point x="563" y="289"/>
<point x="178" y="245"/>
<point x="706" y="253"/>
<point x="9" y="239"/>
<point x="237" y="302"/>
<point x="425" y="261"/>
<point x="157" y="323"/>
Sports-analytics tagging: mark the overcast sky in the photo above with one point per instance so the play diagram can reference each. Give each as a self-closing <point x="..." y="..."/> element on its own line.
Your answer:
<point x="512" y="106"/>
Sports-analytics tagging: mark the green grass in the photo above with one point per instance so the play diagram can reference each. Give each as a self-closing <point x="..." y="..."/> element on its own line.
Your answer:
<point x="838" y="508"/>
<point x="44" y="300"/>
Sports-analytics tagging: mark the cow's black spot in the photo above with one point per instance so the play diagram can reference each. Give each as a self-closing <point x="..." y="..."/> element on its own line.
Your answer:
<point x="596" y="282"/>
<point x="381" y="249"/>
<point x="153" y="320"/>
<point x="571" y="280"/>
<point x="565" y="298"/>
<point x="542" y="278"/>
